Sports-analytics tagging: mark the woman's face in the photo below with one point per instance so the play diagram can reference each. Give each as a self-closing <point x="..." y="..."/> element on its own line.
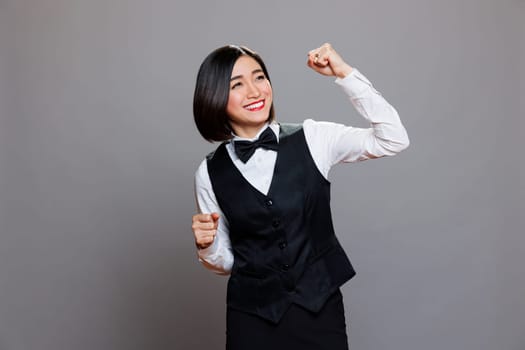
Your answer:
<point x="250" y="98"/>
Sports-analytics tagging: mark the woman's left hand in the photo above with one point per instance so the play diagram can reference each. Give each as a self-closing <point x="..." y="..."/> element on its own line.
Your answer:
<point x="325" y="60"/>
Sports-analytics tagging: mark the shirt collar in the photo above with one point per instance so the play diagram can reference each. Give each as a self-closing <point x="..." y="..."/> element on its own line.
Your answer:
<point x="274" y="126"/>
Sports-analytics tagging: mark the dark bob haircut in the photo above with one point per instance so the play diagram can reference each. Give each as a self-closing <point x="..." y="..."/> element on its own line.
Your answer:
<point x="213" y="88"/>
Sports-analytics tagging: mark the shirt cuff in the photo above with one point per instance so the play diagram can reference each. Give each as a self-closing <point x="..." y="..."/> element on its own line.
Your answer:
<point x="355" y="83"/>
<point x="208" y="252"/>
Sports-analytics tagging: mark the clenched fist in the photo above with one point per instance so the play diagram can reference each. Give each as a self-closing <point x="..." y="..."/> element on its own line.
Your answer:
<point x="204" y="228"/>
<point x="325" y="60"/>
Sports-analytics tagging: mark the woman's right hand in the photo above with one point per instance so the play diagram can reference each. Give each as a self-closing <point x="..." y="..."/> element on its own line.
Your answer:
<point x="204" y="228"/>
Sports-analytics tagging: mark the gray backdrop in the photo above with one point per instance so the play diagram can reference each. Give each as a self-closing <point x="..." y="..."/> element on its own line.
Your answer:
<point x="98" y="151"/>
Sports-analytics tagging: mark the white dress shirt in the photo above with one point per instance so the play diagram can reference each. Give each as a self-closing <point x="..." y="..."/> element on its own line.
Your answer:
<point x="329" y="144"/>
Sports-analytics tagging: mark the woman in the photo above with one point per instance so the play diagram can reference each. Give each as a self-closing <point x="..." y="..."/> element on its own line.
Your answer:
<point x="263" y="198"/>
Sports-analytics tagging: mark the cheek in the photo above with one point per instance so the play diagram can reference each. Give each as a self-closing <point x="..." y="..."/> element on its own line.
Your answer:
<point x="233" y="102"/>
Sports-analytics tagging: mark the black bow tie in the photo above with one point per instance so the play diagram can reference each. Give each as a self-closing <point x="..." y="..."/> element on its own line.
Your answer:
<point x="245" y="149"/>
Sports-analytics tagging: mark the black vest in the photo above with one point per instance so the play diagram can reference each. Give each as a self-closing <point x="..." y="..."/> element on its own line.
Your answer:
<point x="284" y="247"/>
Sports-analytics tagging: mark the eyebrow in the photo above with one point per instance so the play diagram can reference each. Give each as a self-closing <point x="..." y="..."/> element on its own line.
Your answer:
<point x="240" y="76"/>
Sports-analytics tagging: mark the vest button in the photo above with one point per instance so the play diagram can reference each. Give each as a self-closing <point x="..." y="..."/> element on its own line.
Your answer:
<point x="269" y="202"/>
<point x="282" y="245"/>
<point x="286" y="267"/>
<point x="276" y="223"/>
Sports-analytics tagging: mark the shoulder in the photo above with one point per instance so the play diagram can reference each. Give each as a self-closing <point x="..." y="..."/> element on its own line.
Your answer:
<point x="220" y="148"/>
<point x="290" y="128"/>
<point x="202" y="177"/>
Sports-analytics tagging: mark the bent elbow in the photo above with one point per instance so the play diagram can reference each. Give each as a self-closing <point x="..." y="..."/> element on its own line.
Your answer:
<point x="391" y="147"/>
<point x="224" y="270"/>
<point x="403" y="144"/>
<point x="399" y="147"/>
<point x="395" y="147"/>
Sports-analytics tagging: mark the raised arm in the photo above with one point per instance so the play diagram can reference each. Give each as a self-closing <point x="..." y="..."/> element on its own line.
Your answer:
<point x="332" y="143"/>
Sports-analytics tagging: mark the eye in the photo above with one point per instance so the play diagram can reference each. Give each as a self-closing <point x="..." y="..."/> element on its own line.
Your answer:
<point x="261" y="77"/>
<point x="236" y="85"/>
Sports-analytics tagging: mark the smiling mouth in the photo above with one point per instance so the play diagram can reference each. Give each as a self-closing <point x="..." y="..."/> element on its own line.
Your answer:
<point x="256" y="106"/>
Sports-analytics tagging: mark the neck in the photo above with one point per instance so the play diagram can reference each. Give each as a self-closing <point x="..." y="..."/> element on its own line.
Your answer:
<point x="248" y="132"/>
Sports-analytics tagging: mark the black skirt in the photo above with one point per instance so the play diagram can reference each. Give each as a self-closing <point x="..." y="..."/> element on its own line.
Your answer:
<point x="298" y="329"/>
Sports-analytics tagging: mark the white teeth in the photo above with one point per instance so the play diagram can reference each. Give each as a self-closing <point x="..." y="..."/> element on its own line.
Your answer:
<point x="255" y="105"/>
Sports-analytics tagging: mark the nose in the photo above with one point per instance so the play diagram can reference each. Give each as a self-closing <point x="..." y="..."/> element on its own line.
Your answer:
<point x="253" y="91"/>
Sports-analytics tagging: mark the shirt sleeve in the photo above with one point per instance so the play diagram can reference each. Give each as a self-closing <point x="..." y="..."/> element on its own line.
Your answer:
<point x="218" y="257"/>
<point x="332" y="143"/>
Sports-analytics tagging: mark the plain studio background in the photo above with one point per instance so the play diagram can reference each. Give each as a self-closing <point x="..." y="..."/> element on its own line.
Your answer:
<point x="98" y="149"/>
